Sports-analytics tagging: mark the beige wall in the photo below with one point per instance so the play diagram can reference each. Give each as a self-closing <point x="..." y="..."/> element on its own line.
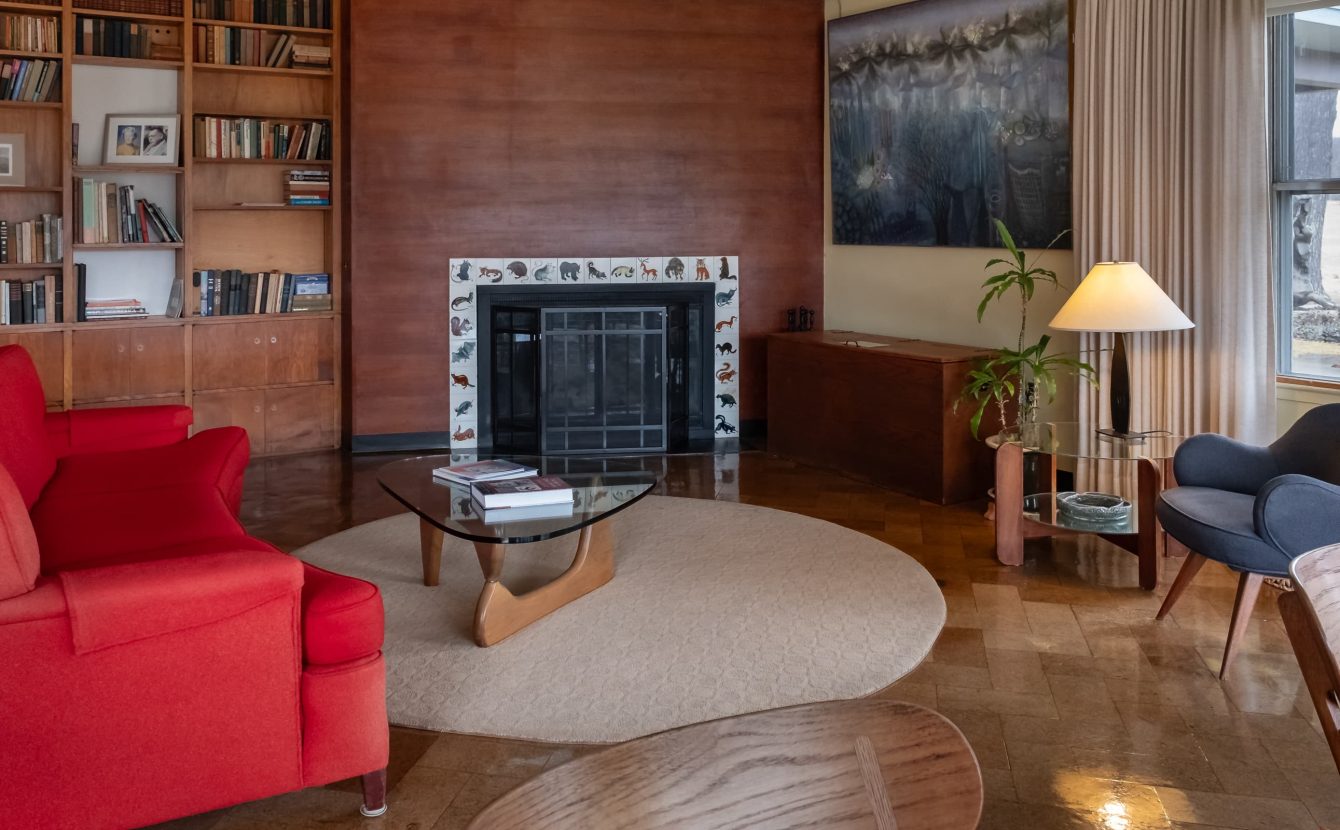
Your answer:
<point x="929" y="293"/>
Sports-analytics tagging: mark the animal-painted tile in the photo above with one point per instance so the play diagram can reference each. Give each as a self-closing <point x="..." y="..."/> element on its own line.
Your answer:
<point x="462" y="505"/>
<point x="596" y="269"/>
<point x="462" y="325"/>
<point x="491" y="272"/>
<point x="725" y="348"/>
<point x="727" y="373"/>
<point x="571" y="270"/>
<point x="726" y="402"/>
<point x="726" y="269"/>
<point x="463" y="379"/>
<point x="464" y="404"/>
<point x="727" y="323"/>
<point x="544" y="270"/>
<point x="462" y="299"/>
<point x="461" y="271"/>
<point x="699" y="269"/>
<point x="649" y="268"/>
<point x="465" y="432"/>
<point x="727" y="297"/>
<point x="516" y="271"/>
<point x="464" y="353"/>
<point x="623" y="269"/>
<point x="677" y="268"/>
<point x="726" y="426"/>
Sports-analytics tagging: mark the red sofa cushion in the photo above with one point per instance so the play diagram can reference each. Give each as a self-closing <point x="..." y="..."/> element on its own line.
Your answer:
<point x="24" y="450"/>
<point x="342" y="617"/>
<point x="19" y="562"/>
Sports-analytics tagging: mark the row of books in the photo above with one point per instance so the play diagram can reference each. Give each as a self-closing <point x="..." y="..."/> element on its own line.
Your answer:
<point x="261" y="138"/>
<point x="110" y="213"/>
<point x="25" y="303"/>
<point x="126" y="39"/>
<point x="307" y="188"/>
<point x="231" y="291"/>
<point x="166" y="8"/>
<point x="37" y="240"/>
<point x="504" y="491"/>
<point x="30" y="32"/>
<point x="231" y="46"/>
<point x="22" y="79"/>
<point x="311" y="13"/>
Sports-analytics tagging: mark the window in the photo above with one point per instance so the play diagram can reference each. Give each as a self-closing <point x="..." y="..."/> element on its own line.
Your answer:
<point x="1305" y="139"/>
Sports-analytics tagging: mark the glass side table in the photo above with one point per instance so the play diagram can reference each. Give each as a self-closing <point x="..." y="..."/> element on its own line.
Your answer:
<point x="1105" y="465"/>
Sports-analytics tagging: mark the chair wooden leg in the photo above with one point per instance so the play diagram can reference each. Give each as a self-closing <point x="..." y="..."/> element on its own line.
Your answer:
<point x="1194" y="562"/>
<point x="374" y="794"/>
<point x="1249" y="586"/>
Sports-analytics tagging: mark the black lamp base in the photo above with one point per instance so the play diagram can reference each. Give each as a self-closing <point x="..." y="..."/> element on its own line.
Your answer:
<point x="1119" y="391"/>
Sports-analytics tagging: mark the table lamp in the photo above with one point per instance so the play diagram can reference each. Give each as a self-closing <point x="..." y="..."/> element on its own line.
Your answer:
<point x="1120" y="297"/>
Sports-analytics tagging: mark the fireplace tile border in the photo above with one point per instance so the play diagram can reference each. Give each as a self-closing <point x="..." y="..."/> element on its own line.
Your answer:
<point x="466" y="274"/>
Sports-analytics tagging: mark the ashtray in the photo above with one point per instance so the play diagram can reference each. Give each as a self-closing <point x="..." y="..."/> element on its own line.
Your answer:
<point x="1093" y="507"/>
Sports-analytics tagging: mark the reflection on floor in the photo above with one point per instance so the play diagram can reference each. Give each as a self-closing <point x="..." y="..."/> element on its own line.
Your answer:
<point x="1083" y="711"/>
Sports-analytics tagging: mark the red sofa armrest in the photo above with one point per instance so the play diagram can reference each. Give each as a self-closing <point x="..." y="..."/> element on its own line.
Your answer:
<point x="117" y="428"/>
<point x="117" y="604"/>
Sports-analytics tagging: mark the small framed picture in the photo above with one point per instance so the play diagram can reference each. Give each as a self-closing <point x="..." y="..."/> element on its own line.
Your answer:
<point x="142" y="139"/>
<point x="11" y="160"/>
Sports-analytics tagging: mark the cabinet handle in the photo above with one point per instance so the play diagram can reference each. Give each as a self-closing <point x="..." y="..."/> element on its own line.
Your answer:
<point x="257" y="341"/>
<point x="139" y="347"/>
<point x="274" y="407"/>
<point x="257" y="409"/>
<point x="120" y="349"/>
<point x="273" y="339"/>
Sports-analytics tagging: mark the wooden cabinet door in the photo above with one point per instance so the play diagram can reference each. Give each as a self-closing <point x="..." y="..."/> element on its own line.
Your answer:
<point x="47" y="350"/>
<point x="228" y="355"/>
<point x="301" y="418"/>
<point x="157" y="360"/>
<point x="300" y="351"/>
<point x="245" y="408"/>
<point x="101" y="360"/>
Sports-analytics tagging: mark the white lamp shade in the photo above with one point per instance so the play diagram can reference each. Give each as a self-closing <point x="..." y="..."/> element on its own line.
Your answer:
<point x="1119" y="296"/>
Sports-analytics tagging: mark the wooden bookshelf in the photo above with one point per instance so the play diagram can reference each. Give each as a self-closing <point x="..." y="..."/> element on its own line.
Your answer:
<point x="277" y="375"/>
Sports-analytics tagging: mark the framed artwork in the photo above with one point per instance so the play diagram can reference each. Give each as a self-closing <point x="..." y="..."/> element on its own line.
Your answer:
<point x="142" y="139"/>
<point x="12" y="164"/>
<point x="946" y="115"/>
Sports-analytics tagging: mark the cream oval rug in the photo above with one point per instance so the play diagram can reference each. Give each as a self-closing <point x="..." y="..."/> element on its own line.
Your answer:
<point x="715" y="609"/>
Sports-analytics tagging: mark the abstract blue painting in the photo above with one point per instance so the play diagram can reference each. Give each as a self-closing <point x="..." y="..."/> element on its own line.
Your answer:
<point x="947" y="114"/>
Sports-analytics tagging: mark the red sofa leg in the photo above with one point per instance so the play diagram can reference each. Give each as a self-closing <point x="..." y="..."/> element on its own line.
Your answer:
<point x="374" y="793"/>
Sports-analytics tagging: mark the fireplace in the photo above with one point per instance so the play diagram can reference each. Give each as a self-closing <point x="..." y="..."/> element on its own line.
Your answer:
<point x="594" y="355"/>
<point x="595" y="369"/>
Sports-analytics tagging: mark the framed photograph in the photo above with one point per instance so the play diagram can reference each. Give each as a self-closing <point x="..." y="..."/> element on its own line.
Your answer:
<point x="11" y="160"/>
<point x="142" y="139"/>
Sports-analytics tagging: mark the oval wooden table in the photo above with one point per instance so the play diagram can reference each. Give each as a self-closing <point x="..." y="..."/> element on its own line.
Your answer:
<point x="875" y="764"/>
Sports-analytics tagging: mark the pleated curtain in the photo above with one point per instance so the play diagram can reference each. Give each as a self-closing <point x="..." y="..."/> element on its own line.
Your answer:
<point x="1171" y="171"/>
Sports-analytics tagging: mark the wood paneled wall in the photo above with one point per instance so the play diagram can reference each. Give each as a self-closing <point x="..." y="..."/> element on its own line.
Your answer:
<point x="563" y="128"/>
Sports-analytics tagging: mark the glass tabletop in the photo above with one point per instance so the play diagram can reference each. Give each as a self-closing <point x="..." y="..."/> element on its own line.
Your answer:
<point x="1071" y="440"/>
<point x="603" y="487"/>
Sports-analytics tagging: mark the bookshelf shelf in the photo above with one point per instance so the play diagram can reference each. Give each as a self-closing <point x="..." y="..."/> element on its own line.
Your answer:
<point x="129" y="63"/>
<point x="197" y="355"/>
<point x="18" y="53"/>
<point x="270" y="208"/>
<point x="30" y="266"/>
<point x="272" y="27"/>
<point x="288" y="162"/>
<point x="264" y="70"/>
<point x="128" y="169"/>
<point x="128" y="246"/>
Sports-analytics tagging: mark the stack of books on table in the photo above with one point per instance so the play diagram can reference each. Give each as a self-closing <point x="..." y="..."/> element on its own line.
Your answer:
<point x="504" y="491"/>
<point x="115" y="309"/>
<point x="307" y="188"/>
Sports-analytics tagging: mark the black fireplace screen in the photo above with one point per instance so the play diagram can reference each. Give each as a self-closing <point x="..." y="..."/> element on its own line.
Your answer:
<point x="603" y="379"/>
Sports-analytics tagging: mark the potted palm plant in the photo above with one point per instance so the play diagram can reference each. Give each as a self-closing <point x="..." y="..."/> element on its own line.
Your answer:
<point x="1017" y="375"/>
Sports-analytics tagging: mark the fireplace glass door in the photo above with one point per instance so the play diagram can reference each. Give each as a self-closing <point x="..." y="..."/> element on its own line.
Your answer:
<point x="603" y="380"/>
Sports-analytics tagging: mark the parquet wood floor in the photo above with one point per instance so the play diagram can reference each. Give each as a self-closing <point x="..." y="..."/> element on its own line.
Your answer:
<point x="1083" y="711"/>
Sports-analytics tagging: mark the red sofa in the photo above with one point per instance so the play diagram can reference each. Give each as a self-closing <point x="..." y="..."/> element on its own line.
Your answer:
<point x="157" y="661"/>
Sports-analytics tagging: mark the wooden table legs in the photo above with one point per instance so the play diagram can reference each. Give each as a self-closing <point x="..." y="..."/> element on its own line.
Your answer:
<point x="1013" y="527"/>
<point x="500" y="613"/>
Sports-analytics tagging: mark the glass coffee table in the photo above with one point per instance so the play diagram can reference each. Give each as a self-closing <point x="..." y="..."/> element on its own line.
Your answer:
<point x="1135" y="470"/>
<point x="603" y="488"/>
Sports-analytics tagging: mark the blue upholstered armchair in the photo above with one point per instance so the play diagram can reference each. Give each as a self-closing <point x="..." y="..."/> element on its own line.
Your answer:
<point x="1254" y="508"/>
